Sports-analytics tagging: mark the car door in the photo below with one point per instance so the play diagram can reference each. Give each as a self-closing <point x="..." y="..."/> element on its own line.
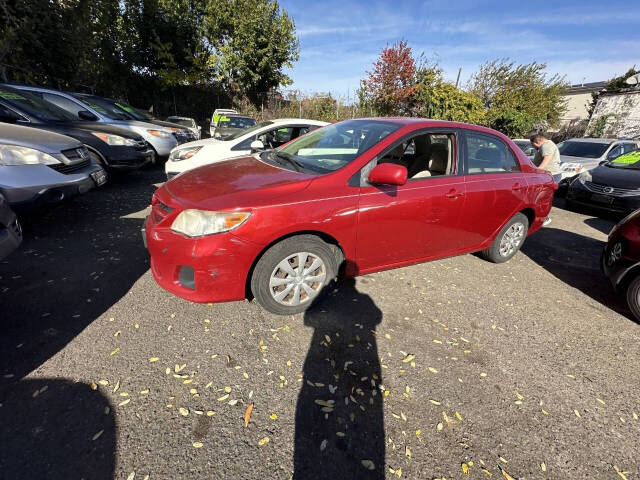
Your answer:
<point x="411" y="222"/>
<point x="495" y="187"/>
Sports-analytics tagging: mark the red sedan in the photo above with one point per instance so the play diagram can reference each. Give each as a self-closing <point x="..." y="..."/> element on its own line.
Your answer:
<point x="351" y="198"/>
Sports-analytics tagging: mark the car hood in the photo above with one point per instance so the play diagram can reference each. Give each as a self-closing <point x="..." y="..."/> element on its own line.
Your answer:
<point x="45" y="141"/>
<point x="628" y="178"/>
<point x="202" y="143"/>
<point x="569" y="159"/>
<point x="242" y="182"/>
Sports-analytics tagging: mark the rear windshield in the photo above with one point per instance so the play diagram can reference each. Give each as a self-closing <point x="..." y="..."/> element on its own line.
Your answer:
<point x="35" y="107"/>
<point x="180" y="121"/>
<point x="583" y="149"/>
<point x="235" y="122"/>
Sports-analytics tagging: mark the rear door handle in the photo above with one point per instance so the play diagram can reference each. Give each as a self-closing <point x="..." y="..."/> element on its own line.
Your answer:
<point x="516" y="187"/>
<point x="453" y="193"/>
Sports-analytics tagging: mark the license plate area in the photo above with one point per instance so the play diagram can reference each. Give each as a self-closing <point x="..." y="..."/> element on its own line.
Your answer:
<point x="597" y="197"/>
<point x="99" y="177"/>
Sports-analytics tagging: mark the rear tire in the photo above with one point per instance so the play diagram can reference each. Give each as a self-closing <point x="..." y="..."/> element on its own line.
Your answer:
<point x="293" y="274"/>
<point x="508" y="241"/>
<point x="633" y="297"/>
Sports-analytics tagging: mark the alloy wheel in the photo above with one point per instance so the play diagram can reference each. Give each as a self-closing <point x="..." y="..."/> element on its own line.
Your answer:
<point x="297" y="279"/>
<point x="511" y="239"/>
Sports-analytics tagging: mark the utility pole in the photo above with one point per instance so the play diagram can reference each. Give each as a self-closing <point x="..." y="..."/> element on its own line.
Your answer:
<point x="458" y="79"/>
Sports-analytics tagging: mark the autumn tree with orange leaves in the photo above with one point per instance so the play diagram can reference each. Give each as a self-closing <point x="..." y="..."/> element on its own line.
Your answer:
<point x="388" y="89"/>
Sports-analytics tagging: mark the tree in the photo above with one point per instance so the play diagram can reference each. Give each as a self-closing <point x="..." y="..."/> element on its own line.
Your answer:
<point x="389" y="87"/>
<point x="516" y="97"/>
<point x="435" y="98"/>
<point x="254" y="40"/>
<point x="616" y="84"/>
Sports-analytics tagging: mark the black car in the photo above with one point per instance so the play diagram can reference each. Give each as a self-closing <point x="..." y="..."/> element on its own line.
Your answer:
<point x="112" y="147"/>
<point x="613" y="186"/>
<point x="10" y="231"/>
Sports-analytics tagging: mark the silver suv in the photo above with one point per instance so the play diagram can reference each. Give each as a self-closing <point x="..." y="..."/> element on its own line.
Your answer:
<point x="39" y="167"/>
<point x="98" y="109"/>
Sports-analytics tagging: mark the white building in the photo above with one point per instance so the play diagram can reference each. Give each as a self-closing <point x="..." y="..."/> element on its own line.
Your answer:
<point x="578" y="99"/>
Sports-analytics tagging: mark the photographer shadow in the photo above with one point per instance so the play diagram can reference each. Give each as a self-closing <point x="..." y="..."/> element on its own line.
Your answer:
<point x="339" y="414"/>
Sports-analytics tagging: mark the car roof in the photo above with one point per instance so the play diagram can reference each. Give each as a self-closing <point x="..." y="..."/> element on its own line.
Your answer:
<point x="180" y="118"/>
<point x="592" y="140"/>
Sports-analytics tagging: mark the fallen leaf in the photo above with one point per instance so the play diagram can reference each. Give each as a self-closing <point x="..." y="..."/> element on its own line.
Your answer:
<point x="132" y="475"/>
<point x="94" y="386"/>
<point x="439" y="426"/>
<point x="505" y="474"/>
<point x="622" y="474"/>
<point x="601" y="401"/>
<point x="232" y="402"/>
<point x="465" y="469"/>
<point x="227" y="389"/>
<point x="408" y="358"/>
<point x="263" y="441"/>
<point x="323" y="445"/>
<point x="273" y="416"/>
<point x="153" y="359"/>
<point x="577" y="413"/>
<point x="435" y="402"/>
<point x="124" y="402"/>
<point x="210" y="413"/>
<point x="144" y="392"/>
<point x="543" y="467"/>
<point x="97" y="435"/>
<point x="368" y="464"/>
<point x="113" y="352"/>
<point x="183" y="411"/>
<point x="407" y="451"/>
<point x="223" y="398"/>
<point x="433" y="370"/>
<point x="197" y="445"/>
<point x="458" y="416"/>
<point x="104" y="383"/>
<point x="247" y="415"/>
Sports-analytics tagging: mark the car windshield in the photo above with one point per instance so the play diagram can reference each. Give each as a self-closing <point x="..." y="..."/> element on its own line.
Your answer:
<point x="626" y="160"/>
<point x="35" y="107"/>
<point x="583" y="149"/>
<point x="246" y="131"/>
<point x="235" y="122"/>
<point x="180" y="121"/>
<point x="330" y="148"/>
<point x="523" y="145"/>
<point x="105" y="107"/>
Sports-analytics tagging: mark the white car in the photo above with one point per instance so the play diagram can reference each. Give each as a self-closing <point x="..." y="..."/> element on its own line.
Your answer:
<point x="189" y="123"/>
<point x="579" y="155"/>
<point x="264" y="135"/>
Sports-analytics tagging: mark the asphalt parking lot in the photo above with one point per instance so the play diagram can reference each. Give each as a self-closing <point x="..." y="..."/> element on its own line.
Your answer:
<point x="528" y="369"/>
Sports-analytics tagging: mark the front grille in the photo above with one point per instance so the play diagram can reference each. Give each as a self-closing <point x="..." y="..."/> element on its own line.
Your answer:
<point x="608" y="190"/>
<point x="68" y="168"/>
<point x="141" y="145"/>
<point x="80" y="153"/>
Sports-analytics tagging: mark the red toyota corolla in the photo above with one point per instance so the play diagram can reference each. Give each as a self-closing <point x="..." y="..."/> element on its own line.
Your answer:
<point x="351" y="198"/>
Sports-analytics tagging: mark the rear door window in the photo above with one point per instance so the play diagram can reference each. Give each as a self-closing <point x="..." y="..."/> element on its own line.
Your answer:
<point x="488" y="154"/>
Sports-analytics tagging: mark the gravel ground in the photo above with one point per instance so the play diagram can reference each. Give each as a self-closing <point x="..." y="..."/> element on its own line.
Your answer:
<point x="527" y="369"/>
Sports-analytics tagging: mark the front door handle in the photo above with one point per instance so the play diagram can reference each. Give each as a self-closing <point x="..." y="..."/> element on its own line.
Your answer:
<point x="453" y="193"/>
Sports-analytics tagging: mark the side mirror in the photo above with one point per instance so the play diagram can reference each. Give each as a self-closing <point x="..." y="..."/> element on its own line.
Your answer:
<point x="529" y="152"/>
<point x="388" y="174"/>
<point x="256" y="146"/>
<point x="87" y="115"/>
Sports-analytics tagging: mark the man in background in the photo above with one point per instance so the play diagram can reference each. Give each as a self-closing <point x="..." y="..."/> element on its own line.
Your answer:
<point x="547" y="155"/>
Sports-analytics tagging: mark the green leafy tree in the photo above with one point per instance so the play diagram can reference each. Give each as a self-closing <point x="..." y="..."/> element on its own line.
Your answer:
<point x="438" y="99"/>
<point x="517" y="97"/>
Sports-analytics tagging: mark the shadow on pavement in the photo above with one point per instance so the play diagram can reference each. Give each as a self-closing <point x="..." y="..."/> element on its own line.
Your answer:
<point x="76" y="261"/>
<point x="339" y="415"/>
<point x="574" y="259"/>
<point x="600" y="224"/>
<point x="53" y="428"/>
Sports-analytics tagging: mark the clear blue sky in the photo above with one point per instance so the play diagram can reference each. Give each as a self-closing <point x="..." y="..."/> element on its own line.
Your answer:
<point x="339" y="40"/>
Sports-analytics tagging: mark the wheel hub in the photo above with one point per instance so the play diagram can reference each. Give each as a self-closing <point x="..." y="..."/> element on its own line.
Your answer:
<point x="297" y="279"/>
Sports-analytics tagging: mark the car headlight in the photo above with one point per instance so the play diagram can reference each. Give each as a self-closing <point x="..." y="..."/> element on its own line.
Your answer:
<point x="159" y="133"/>
<point x="183" y="153"/>
<point x="585" y="177"/>
<point x="15" y="155"/>
<point x="115" y="140"/>
<point x="198" y="223"/>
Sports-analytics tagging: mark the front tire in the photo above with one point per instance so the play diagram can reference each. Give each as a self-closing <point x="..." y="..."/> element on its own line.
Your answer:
<point x="633" y="297"/>
<point x="293" y="274"/>
<point x="508" y="241"/>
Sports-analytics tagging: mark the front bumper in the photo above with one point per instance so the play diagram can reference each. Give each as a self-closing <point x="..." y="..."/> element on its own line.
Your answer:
<point x="10" y="231"/>
<point x="206" y="269"/>
<point x="132" y="160"/>
<point x="26" y="186"/>
<point x="579" y="194"/>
